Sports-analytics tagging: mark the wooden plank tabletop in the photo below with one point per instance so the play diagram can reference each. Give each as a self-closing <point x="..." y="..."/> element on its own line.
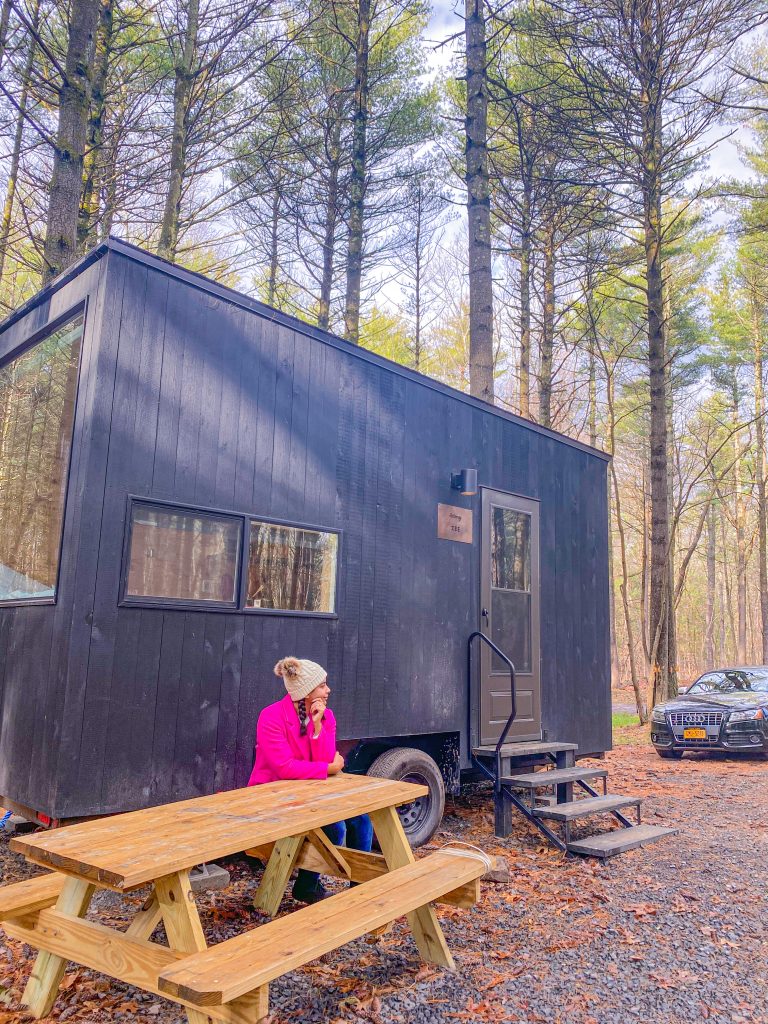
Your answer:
<point x="129" y="850"/>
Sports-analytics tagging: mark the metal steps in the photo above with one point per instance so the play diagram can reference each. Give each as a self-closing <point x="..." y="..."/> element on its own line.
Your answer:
<point x="572" y="809"/>
<point x="553" y="777"/>
<point x="517" y="787"/>
<point x="515" y="750"/>
<point x="609" y="844"/>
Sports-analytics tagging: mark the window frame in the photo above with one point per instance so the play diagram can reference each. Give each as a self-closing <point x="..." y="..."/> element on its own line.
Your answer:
<point x="80" y="309"/>
<point x="244" y="520"/>
<point x="298" y="612"/>
<point x="135" y="601"/>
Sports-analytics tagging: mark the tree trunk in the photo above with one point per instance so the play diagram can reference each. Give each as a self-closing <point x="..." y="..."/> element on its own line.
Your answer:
<point x="274" y="253"/>
<point x="615" y="660"/>
<point x="18" y="138"/>
<point x="89" y="200"/>
<point x="547" y="329"/>
<point x="331" y="219"/>
<point x="357" y="183"/>
<point x="418" y="271"/>
<point x="640" y="704"/>
<point x="645" y="558"/>
<point x="184" y="76"/>
<point x="478" y="207"/>
<point x="660" y="610"/>
<point x="709" y="631"/>
<point x="760" y="473"/>
<point x="5" y="16"/>
<point x="592" y="390"/>
<point x="525" y="301"/>
<point x="60" y="247"/>
<point x="108" y="174"/>
<point x="672" y="604"/>
<point x="741" y="544"/>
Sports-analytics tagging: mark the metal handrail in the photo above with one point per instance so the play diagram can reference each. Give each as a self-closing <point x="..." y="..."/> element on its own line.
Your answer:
<point x="512" y="693"/>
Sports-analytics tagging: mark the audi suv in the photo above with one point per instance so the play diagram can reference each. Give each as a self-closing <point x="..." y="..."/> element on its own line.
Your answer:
<point x="726" y="709"/>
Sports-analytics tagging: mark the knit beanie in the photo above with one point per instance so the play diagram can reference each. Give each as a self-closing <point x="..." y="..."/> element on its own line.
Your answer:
<point x="300" y="676"/>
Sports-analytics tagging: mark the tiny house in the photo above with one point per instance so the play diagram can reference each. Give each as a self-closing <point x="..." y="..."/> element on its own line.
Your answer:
<point x="193" y="485"/>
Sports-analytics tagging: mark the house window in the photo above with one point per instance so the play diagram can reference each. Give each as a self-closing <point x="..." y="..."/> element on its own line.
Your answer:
<point x="179" y="555"/>
<point x="37" y="409"/>
<point x="291" y="568"/>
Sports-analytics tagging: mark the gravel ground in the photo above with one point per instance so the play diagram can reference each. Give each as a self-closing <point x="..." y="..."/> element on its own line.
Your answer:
<point x="675" y="932"/>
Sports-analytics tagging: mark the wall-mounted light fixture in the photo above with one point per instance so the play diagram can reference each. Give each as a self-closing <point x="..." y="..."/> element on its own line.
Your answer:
<point x="465" y="481"/>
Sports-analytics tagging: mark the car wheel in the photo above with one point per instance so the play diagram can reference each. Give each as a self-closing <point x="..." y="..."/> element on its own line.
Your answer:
<point x="670" y="755"/>
<point x="421" y="818"/>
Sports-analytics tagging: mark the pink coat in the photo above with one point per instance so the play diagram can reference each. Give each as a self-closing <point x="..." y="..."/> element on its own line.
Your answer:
<point x="283" y="753"/>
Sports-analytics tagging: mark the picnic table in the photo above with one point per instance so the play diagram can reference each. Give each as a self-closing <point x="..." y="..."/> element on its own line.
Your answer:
<point x="157" y="847"/>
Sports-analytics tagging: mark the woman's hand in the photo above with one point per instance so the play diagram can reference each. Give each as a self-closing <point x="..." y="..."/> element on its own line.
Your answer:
<point x="336" y="765"/>
<point x="316" y="712"/>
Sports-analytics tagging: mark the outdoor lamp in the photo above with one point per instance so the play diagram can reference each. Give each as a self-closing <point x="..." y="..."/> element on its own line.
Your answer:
<point x="465" y="481"/>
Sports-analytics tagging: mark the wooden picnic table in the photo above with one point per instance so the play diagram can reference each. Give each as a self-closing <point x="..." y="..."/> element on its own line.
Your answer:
<point x="157" y="847"/>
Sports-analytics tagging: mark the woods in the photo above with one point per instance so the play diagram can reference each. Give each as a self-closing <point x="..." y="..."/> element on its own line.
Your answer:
<point x="560" y="209"/>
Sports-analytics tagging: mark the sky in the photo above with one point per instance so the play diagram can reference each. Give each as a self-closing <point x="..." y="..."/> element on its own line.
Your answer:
<point x="446" y="20"/>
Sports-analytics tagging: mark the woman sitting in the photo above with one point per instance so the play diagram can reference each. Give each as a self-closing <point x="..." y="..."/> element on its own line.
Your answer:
<point x="296" y="739"/>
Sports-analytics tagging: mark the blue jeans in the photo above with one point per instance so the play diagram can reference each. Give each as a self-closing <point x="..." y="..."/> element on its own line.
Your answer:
<point x="356" y="833"/>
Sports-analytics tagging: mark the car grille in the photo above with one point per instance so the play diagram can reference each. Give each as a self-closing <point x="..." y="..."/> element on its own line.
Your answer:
<point x="710" y="741"/>
<point x="713" y="719"/>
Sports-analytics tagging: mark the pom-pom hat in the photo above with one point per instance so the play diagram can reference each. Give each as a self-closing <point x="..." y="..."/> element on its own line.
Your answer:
<point x="300" y="676"/>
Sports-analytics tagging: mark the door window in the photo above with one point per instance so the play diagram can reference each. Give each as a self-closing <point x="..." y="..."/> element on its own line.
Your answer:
<point x="511" y="587"/>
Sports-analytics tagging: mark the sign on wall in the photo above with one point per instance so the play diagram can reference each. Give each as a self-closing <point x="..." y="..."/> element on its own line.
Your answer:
<point x="454" y="523"/>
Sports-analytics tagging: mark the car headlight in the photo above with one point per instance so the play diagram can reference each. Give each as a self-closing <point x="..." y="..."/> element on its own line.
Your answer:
<point x="658" y="716"/>
<point x="746" y="716"/>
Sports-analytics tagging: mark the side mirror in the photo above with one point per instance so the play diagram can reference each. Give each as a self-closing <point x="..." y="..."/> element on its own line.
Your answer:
<point x="682" y="689"/>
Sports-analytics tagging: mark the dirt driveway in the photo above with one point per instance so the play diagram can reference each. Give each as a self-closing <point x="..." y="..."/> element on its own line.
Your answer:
<point x="674" y="933"/>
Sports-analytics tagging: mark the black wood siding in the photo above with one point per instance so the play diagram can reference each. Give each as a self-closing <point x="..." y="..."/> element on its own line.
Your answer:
<point x="192" y="398"/>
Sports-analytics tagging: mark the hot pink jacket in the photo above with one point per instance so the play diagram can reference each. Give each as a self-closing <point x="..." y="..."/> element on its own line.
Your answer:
<point x="283" y="753"/>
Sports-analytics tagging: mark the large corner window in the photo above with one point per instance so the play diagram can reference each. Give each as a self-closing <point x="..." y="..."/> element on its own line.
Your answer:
<point x="182" y="556"/>
<point x="37" y="408"/>
<point x="291" y="568"/>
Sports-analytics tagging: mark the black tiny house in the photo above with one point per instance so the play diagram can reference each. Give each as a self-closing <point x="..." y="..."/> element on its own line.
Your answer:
<point x="193" y="485"/>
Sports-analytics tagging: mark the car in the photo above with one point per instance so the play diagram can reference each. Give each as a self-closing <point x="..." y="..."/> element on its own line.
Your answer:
<point x="725" y="709"/>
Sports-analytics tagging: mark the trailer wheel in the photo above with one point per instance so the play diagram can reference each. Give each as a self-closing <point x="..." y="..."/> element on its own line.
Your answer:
<point x="421" y="818"/>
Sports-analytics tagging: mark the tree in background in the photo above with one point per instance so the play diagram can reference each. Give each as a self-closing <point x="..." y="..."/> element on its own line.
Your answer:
<point x="478" y="204"/>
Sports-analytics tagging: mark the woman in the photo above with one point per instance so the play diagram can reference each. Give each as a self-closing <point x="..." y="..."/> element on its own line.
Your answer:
<point x="296" y="739"/>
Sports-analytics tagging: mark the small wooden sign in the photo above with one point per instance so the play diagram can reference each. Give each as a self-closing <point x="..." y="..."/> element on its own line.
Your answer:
<point x="454" y="523"/>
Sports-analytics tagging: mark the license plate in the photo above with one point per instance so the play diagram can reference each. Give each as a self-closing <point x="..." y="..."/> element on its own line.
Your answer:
<point x="694" y="734"/>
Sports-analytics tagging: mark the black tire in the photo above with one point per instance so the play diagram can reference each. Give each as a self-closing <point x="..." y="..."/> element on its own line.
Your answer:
<point x="670" y="755"/>
<point x="406" y="764"/>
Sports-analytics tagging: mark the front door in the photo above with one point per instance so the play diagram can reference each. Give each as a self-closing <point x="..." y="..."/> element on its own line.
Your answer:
<point x="509" y="595"/>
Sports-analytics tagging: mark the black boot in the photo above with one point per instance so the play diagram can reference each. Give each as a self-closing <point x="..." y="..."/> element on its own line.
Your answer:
<point x="309" y="894"/>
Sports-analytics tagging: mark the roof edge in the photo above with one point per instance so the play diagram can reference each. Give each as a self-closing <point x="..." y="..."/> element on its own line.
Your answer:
<point x="58" y="282"/>
<point x="198" y="280"/>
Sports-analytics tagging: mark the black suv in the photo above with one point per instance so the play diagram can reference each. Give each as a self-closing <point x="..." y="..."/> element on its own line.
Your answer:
<point x="726" y="709"/>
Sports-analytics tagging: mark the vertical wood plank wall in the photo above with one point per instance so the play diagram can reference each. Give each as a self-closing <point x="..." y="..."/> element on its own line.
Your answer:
<point x="188" y="397"/>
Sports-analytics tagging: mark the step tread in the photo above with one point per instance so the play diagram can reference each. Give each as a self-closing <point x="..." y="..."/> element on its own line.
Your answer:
<point x="609" y="844"/>
<point x="536" y="780"/>
<point x="524" y="749"/>
<point x="582" y="808"/>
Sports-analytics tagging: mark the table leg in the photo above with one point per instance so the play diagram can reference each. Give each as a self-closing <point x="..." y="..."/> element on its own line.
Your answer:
<point x="147" y="919"/>
<point x="276" y="874"/>
<point x="43" y="985"/>
<point x="176" y="903"/>
<point x="423" y="922"/>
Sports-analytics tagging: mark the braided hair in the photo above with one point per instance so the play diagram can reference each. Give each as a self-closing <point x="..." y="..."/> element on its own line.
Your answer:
<point x="288" y="669"/>
<point x="301" y="707"/>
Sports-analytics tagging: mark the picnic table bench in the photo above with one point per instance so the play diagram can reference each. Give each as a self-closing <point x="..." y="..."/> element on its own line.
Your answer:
<point x="280" y="822"/>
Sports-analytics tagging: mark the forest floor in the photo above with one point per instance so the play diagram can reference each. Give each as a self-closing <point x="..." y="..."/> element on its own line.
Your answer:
<point x="672" y="933"/>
